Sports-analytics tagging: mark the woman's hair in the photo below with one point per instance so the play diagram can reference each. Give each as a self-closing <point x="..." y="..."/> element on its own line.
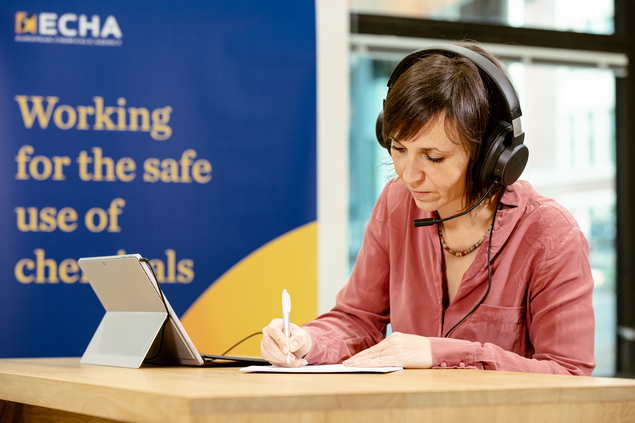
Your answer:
<point x="438" y="85"/>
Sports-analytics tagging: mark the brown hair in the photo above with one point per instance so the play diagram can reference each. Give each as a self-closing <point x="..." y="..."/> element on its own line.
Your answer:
<point x="438" y="84"/>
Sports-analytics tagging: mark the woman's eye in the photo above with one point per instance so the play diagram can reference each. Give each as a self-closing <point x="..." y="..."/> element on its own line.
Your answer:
<point x="395" y="148"/>
<point x="435" y="159"/>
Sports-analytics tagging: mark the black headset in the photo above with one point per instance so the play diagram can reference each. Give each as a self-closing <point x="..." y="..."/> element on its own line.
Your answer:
<point x="502" y="156"/>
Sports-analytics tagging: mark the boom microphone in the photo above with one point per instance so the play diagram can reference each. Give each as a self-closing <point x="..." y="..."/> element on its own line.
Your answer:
<point x="432" y="221"/>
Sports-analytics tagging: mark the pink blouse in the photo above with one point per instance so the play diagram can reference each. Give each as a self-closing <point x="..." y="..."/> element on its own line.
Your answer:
<point x="537" y="317"/>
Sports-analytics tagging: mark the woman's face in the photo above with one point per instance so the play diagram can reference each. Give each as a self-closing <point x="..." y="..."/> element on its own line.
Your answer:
<point x="433" y="168"/>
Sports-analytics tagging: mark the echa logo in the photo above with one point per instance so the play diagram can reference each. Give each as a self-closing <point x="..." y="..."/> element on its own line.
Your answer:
<point x="68" y="28"/>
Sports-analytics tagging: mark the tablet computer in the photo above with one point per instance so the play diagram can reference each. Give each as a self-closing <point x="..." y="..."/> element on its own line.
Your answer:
<point x="139" y="325"/>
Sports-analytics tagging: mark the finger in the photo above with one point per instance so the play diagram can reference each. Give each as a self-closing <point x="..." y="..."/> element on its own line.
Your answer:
<point x="371" y="362"/>
<point x="266" y="354"/>
<point x="271" y="353"/>
<point x="295" y="362"/>
<point x="294" y="344"/>
<point x="270" y="349"/>
<point x="278" y="359"/>
<point x="274" y="330"/>
<point x="300" y="362"/>
<point x="372" y="352"/>
<point x="368" y="357"/>
<point x="298" y="339"/>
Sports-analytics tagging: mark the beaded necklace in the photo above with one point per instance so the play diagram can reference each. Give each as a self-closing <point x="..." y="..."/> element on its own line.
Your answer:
<point x="462" y="253"/>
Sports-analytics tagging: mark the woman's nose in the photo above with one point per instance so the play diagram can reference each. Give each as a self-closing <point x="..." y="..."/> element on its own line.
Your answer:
<point x="411" y="173"/>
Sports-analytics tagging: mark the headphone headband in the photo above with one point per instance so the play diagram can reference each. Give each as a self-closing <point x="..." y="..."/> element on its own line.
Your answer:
<point x="495" y="74"/>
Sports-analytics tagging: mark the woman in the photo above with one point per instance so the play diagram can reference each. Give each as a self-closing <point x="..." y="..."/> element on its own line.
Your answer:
<point x="505" y="286"/>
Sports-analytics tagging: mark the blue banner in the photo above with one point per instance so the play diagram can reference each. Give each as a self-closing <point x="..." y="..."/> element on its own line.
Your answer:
<point x="183" y="131"/>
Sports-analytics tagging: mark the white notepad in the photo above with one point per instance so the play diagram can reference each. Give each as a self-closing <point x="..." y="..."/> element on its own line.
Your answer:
<point x="321" y="368"/>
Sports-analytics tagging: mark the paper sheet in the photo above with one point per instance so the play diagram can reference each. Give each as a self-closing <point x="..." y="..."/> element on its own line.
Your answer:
<point x="322" y="368"/>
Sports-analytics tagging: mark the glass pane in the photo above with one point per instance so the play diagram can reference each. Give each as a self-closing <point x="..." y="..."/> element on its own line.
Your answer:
<point x="571" y="138"/>
<point x="594" y="17"/>
<point x="370" y="164"/>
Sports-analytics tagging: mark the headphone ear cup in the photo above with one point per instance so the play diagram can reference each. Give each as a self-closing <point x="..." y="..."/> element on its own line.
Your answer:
<point x="512" y="163"/>
<point x="498" y="159"/>
<point x="493" y="146"/>
<point x="379" y="131"/>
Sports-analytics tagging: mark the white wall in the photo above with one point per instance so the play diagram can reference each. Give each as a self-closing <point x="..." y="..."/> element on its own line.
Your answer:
<point x="332" y="26"/>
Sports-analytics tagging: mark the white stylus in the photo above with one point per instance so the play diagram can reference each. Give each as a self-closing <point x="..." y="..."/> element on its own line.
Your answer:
<point x="286" y="309"/>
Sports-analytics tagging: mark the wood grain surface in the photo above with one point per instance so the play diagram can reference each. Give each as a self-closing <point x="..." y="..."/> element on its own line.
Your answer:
<point x="41" y="389"/>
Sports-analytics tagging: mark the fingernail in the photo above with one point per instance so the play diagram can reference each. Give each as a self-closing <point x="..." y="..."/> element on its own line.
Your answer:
<point x="285" y="349"/>
<point x="294" y="345"/>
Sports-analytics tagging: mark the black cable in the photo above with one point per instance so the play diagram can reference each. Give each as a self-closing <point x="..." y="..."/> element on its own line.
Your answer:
<point x="145" y="260"/>
<point x="489" y="270"/>
<point x="241" y="341"/>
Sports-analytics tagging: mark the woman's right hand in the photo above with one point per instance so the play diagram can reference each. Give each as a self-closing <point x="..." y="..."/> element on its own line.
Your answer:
<point x="274" y="345"/>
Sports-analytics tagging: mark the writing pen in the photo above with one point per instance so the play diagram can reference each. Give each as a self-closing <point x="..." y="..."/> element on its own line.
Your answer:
<point x="286" y="309"/>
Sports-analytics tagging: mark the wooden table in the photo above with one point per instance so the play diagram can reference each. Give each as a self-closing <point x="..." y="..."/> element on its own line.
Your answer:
<point x="49" y="389"/>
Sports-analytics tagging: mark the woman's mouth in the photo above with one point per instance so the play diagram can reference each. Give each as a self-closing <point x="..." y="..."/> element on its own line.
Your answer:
<point x="420" y="195"/>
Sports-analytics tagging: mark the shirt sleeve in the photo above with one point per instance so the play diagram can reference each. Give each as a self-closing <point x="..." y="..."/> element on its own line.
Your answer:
<point x="361" y="313"/>
<point x="561" y="327"/>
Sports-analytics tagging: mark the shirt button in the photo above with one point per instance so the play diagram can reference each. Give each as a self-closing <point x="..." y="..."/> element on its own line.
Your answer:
<point x="461" y="364"/>
<point x="444" y="364"/>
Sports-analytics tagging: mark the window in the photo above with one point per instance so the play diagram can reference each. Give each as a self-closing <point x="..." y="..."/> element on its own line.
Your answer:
<point x="593" y="17"/>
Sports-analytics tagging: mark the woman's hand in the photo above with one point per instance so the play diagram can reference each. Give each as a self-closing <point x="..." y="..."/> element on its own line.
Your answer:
<point x="399" y="349"/>
<point x="274" y="345"/>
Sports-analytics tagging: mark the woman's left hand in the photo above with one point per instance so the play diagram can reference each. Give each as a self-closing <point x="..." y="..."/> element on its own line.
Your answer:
<point x="399" y="349"/>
